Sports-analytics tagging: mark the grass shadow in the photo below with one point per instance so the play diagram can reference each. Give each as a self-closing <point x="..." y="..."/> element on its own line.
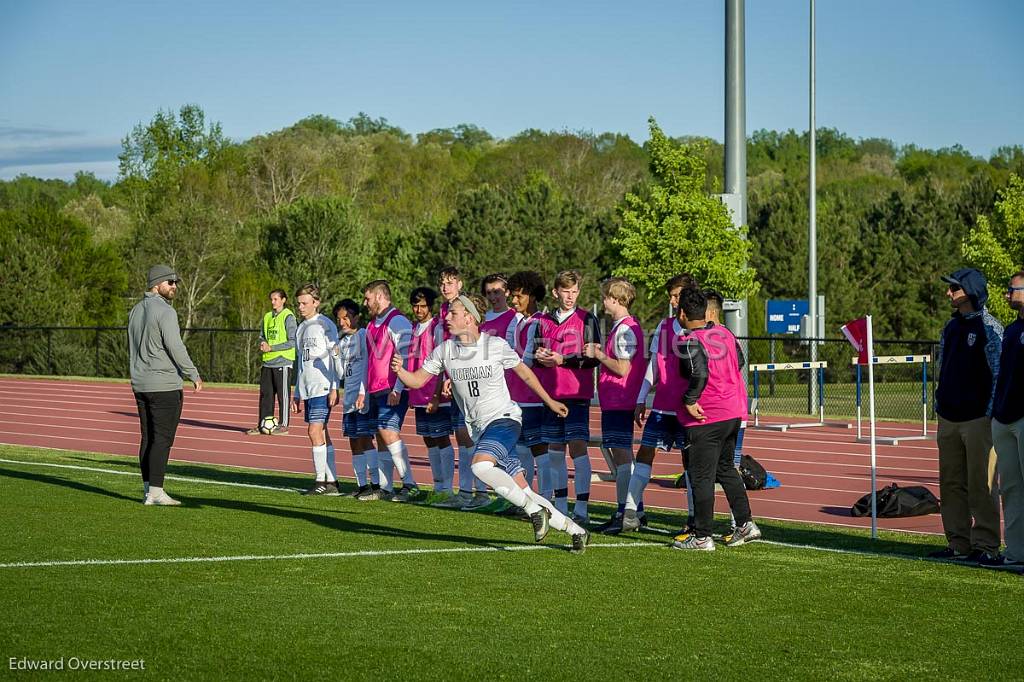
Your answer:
<point x="66" y="483"/>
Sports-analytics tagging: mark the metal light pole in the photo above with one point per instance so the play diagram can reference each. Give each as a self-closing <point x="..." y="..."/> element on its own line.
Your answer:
<point x="736" y="136"/>
<point x="812" y="235"/>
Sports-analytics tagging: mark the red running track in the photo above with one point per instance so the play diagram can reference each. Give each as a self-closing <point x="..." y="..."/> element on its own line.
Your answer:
<point x="823" y="470"/>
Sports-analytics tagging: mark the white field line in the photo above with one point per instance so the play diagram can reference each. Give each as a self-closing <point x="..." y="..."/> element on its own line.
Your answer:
<point x="367" y="553"/>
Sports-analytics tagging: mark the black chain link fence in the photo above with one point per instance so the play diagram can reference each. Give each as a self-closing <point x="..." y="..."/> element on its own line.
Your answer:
<point x="232" y="355"/>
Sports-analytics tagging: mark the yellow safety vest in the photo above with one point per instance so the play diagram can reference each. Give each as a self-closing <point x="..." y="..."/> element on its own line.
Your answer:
<point x="275" y="332"/>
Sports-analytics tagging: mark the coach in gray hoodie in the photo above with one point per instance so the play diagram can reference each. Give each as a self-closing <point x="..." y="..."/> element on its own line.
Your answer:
<point x="158" y="359"/>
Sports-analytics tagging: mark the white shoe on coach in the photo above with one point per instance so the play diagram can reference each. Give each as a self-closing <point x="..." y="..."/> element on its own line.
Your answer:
<point x="161" y="500"/>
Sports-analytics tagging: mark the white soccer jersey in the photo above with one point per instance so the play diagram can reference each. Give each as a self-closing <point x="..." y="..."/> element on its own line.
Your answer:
<point x="624" y="341"/>
<point x="315" y="374"/>
<point x="477" y="372"/>
<point x="351" y="368"/>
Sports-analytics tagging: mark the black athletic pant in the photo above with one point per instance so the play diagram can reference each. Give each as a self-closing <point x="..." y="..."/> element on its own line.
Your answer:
<point x="274" y="388"/>
<point x="710" y="461"/>
<point x="159" y="413"/>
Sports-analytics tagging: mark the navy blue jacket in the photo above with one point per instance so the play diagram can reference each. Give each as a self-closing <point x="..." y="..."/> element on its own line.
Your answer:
<point x="1008" y="406"/>
<point x="968" y="364"/>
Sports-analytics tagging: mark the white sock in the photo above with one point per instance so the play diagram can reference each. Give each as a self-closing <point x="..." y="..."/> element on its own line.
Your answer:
<point x="525" y="456"/>
<point x="559" y="479"/>
<point x="359" y="468"/>
<point x="465" y="469"/>
<point x="582" y="472"/>
<point x="400" y="456"/>
<point x="448" y="467"/>
<point x="386" y="467"/>
<point x="637" y="483"/>
<point x="501" y="482"/>
<point x="332" y="470"/>
<point x="622" y="474"/>
<point x="372" y="464"/>
<point x="320" y="461"/>
<point x="558" y="520"/>
<point x="436" y="470"/>
<point x="544" y="476"/>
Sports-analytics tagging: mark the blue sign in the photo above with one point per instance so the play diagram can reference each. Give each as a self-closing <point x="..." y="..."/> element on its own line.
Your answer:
<point x="783" y="317"/>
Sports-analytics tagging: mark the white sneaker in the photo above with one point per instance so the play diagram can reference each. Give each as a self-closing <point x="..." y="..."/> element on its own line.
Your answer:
<point x="161" y="500"/>
<point x="476" y="502"/>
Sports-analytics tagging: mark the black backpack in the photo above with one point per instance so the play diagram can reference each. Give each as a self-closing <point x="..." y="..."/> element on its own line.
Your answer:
<point x="894" y="501"/>
<point x="753" y="474"/>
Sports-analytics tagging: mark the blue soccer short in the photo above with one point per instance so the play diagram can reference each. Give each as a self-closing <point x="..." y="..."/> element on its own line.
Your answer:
<point x="533" y="421"/>
<point x="388" y="417"/>
<point x="617" y="429"/>
<point x="663" y="432"/>
<point x="499" y="441"/>
<point x="357" y="424"/>
<point x="317" y="411"/>
<point x="436" y="425"/>
<point x="576" y="426"/>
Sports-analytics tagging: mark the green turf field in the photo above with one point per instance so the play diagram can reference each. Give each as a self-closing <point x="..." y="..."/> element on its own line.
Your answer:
<point x="331" y="587"/>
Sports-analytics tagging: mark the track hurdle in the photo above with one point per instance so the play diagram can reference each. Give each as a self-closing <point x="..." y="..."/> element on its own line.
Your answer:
<point x="819" y="365"/>
<point x="896" y="360"/>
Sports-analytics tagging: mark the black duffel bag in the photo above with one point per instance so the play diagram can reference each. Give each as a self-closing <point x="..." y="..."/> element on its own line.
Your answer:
<point x="753" y="474"/>
<point x="894" y="501"/>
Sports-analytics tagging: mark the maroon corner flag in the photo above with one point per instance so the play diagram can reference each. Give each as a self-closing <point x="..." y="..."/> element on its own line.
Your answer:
<point x="856" y="332"/>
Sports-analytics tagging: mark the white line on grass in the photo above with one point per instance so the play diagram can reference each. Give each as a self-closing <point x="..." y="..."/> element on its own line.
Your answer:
<point x="116" y="472"/>
<point x="369" y="553"/>
<point x="317" y="555"/>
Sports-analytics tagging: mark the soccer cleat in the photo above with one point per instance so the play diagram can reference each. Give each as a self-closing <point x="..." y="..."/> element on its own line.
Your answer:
<point x="495" y="506"/>
<point x="161" y="500"/>
<point x="321" y="488"/>
<point x="612" y="526"/>
<point x="704" y="544"/>
<point x="279" y="431"/>
<point x="748" y="532"/>
<point x="579" y="543"/>
<point x="371" y="494"/>
<point x="334" y="489"/>
<point x="477" y="502"/>
<point x="361" y="490"/>
<point x="514" y="512"/>
<point x="580" y="520"/>
<point x="948" y="554"/>
<point x="630" y="521"/>
<point x="408" y="493"/>
<point x="456" y="501"/>
<point x="540" y="523"/>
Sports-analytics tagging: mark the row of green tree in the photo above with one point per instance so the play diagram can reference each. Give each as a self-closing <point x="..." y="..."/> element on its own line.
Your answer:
<point x="341" y="203"/>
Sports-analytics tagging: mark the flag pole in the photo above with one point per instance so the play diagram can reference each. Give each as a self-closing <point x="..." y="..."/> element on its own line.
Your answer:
<point x="871" y="421"/>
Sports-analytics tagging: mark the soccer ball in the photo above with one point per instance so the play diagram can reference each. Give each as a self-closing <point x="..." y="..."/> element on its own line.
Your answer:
<point x="267" y="425"/>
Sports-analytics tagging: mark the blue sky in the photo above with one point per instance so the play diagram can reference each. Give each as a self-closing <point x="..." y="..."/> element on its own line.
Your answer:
<point x="76" y="76"/>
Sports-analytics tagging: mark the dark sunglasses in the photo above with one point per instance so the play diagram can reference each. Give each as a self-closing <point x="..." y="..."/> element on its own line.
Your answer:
<point x="174" y="282"/>
<point x="1010" y="290"/>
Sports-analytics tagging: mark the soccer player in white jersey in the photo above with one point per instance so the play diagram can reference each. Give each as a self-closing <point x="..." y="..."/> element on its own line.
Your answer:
<point x="316" y="385"/>
<point x="476" y="364"/>
<point x="472" y="492"/>
<point x="351" y="371"/>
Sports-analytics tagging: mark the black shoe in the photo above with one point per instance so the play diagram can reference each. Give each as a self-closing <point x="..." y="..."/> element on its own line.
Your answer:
<point x="615" y="520"/>
<point x="947" y="554"/>
<point x="361" y="490"/>
<point x="540" y="524"/>
<point x="321" y="488"/>
<point x="975" y="557"/>
<point x="1001" y="563"/>
<point x="580" y="542"/>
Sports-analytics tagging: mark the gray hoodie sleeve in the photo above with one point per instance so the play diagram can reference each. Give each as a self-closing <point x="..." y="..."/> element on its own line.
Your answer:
<point x="993" y="349"/>
<point x="171" y="334"/>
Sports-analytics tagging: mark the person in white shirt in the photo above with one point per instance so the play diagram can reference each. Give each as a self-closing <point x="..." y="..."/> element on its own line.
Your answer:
<point x="351" y="370"/>
<point x="316" y="384"/>
<point x="476" y="365"/>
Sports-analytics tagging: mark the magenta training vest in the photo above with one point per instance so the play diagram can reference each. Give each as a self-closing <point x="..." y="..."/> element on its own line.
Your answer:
<point x="564" y="383"/>
<point x="419" y="350"/>
<point x="517" y="389"/>
<point x="725" y="396"/>
<point x="620" y="393"/>
<point x="668" y="392"/>
<point x="379" y="349"/>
